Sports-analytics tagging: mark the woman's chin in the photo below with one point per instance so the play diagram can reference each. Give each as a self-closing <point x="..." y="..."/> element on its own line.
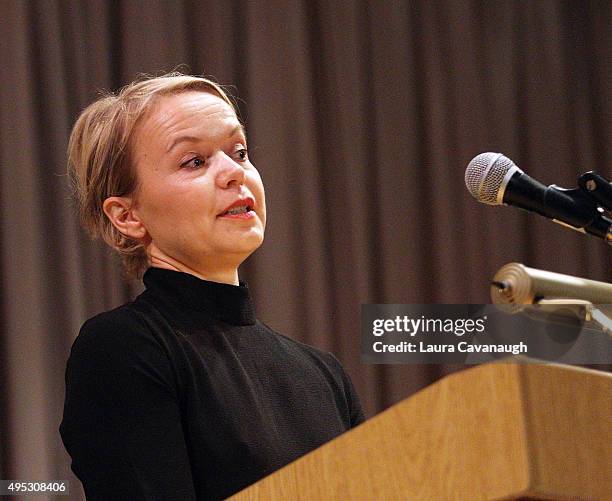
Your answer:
<point x="244" y="244"/>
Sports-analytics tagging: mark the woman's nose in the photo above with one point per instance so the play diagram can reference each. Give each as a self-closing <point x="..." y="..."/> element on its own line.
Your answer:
<point x="228" y="171"/>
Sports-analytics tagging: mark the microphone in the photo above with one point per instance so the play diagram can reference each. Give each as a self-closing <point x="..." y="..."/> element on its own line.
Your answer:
<point x="562" y="301"/>
<point x="494" y="179"/>
<point x="516" y="284"/>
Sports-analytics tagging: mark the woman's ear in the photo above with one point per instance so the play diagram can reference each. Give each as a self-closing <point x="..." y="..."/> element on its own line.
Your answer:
<point x="120" y="211"/>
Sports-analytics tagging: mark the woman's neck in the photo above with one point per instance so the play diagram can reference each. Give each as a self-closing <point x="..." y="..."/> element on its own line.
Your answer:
<point x="228" y="275"/>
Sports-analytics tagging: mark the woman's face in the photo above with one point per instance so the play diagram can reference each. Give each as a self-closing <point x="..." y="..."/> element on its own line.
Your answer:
<point x="192" y="166"/>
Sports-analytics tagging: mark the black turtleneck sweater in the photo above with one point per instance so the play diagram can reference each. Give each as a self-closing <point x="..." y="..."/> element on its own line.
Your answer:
<point x="184" y="395"/>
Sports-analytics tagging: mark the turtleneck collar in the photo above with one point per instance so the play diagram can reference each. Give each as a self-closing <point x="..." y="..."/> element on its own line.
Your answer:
<point x="191" y="295"/>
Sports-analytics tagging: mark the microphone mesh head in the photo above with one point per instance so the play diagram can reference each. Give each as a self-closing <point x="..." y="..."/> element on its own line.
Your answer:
<point x="485" y="174"/>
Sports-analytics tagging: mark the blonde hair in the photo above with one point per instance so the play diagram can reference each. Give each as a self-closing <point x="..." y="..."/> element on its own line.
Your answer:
<point x="99" y="163"/>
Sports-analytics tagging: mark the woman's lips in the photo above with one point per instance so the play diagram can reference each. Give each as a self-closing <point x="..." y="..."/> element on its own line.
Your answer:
<point x="243" y="215"/>
<point x="239" y="211"/>
<point x="241" y="208"/>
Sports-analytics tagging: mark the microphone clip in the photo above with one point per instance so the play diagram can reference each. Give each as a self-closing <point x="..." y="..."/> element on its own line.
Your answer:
<point x="598" y="188"/>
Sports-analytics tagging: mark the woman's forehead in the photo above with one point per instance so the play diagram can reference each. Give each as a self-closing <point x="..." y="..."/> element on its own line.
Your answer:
<point x="172" y="113"/>
<point x="184" y="105"/>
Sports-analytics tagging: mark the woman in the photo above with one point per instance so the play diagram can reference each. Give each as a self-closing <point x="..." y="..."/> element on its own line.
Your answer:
<point x="183" y="394"/>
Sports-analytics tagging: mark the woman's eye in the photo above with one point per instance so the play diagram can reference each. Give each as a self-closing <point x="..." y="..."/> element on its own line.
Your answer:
<point x="242" y="154"/>
<point x="194" y="163"/>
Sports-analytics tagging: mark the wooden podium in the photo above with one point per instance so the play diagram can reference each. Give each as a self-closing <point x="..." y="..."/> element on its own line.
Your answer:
<point x="496" y="431"/>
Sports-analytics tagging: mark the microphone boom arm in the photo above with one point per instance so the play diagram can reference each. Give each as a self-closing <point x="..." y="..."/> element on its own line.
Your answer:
<point x="590" y="312"/>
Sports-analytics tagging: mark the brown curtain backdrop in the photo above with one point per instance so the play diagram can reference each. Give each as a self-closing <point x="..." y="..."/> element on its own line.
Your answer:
<point x="362" y="116"/>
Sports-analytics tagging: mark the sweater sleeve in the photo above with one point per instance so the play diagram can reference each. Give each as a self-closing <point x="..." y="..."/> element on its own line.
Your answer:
<point x="356" y="414"/>
<point x="122" y="424"/>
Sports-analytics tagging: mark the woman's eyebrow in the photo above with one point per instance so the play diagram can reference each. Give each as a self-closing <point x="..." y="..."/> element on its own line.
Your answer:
<point x="181" y="139"/>
<point x="239" y="129"/>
